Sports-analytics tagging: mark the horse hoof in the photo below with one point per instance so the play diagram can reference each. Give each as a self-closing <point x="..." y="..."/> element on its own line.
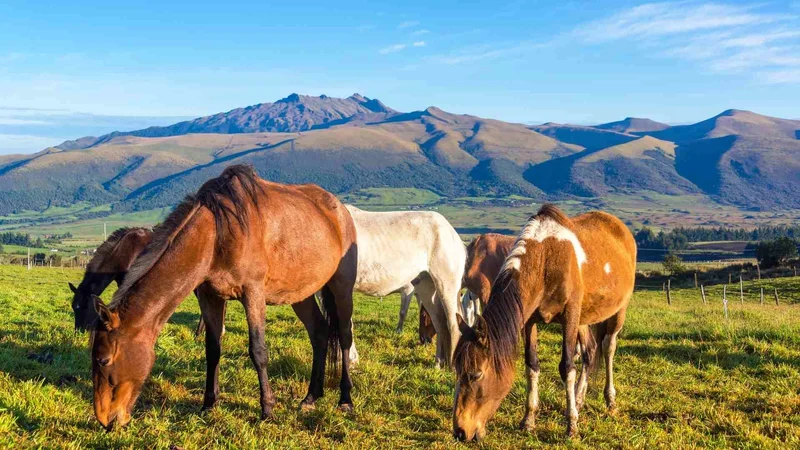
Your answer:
<point x="305" y="407"/>
<point x="267" y="416"/>
<point x="528" y="424"/>
<point x="612" y="409"/>
<point x="346" y="408"/>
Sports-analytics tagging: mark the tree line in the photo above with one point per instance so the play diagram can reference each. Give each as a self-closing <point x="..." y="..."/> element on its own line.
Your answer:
<point x="679" y="238"/>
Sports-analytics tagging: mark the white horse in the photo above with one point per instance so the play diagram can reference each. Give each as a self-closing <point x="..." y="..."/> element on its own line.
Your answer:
<point x="395" y="248"/>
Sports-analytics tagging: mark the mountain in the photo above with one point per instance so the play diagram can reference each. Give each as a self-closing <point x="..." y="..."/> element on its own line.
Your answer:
<point x="633" y="125"/>
<point x="733" y="122"/>
<point x="344" y="145"/>
<point x="291" y="114"/>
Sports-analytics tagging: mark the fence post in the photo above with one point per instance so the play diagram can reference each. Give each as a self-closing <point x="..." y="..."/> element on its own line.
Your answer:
<point x="703" y="293"/>
<point x="725" y="300"/>
<point x="762" y="295"/>
<point x="741" y="290"/>
<point x="758" y="268"/>
<point x="776" y="296"/>
<point x="695" y="280"/>
<point x="669" y="295"/>
<point x="730" y="277"/>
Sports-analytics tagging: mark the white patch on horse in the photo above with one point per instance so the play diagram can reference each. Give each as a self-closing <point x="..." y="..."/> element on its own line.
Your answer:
<point x="539" y="230"/>
<point x="607" y="268"/>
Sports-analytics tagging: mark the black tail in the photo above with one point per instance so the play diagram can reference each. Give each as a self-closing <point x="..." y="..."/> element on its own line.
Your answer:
<point x="332" y="319"/>
<point x="595" y="338"/>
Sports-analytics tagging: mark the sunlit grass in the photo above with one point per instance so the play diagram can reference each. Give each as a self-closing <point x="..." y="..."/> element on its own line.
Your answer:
<point x="686" y="377"/>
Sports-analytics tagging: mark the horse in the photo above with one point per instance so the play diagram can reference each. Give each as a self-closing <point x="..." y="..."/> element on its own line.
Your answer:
<point x="395" y="248"/>
<point x="110" y="263"/>
<point x="485" y="256"/>
<point x="238" y="237"/>
<point x="577" y="272"/>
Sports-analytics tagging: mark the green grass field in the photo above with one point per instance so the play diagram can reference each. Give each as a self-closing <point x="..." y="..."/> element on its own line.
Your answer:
<point x="686" y="377"/>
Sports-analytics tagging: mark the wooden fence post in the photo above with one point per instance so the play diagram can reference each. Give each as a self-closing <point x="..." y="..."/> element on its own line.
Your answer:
<point x="762" y="295"/>
<point x="695" y="280"/>
<point x="669" y="295"/>
<point x="703" y="293"/>
<point x="758" y="268"/>
<point x="730" y="275"/>
<point x="776" y="296"/>
<point x="741" y="290"/>
<point x="725" y="300"/>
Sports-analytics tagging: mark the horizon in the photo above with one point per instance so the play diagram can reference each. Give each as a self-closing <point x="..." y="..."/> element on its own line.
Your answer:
<point x="90" y="70"/>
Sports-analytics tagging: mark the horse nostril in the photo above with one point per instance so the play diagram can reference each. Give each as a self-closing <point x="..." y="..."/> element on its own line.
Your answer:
<point x="460" y="434"/>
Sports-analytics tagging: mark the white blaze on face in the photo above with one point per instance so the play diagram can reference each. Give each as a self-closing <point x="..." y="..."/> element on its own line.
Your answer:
<point x="539" y="230"/>
<point x="607" y="268"/>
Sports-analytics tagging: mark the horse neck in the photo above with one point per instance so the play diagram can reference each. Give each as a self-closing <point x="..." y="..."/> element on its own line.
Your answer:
<point x="96" y="282"/>
<point x="182" y="267"/>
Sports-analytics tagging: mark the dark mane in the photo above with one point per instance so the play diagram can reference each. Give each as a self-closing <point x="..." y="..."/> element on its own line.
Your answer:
<point x="551" y="211"/>
<point x="107" y="247"/>
<point x="228" y="202"/>
<point x="503" y="316"/>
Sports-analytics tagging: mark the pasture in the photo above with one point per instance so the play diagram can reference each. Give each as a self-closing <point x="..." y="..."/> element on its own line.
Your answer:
<point x="686" y="377"/>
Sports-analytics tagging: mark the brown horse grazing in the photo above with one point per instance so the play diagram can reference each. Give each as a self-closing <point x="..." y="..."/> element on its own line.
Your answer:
<point x="238" y="237"/>
<point x="110" y="263"/>
<point x="577" y="272"/>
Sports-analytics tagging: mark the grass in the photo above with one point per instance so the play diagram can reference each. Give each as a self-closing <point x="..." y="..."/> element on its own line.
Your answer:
<point x="686" y="377"/>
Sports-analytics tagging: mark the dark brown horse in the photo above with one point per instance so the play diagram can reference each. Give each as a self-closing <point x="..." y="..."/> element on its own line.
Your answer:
<point x="577" y="272"/>
<point x="239" y="237"/>
<point x="110" y="263"/>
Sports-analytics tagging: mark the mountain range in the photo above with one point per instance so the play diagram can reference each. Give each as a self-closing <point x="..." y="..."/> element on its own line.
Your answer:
<point x="346" y="144"/>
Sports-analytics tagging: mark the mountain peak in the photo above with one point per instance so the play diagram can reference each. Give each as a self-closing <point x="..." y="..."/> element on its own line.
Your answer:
<point x="633" y="125"/>
<point x="358" y="97"/>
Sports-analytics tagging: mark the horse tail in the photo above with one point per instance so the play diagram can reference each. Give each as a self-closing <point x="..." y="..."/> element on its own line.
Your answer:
<point x="594" y="337"/>
<point x="332" y="319"/>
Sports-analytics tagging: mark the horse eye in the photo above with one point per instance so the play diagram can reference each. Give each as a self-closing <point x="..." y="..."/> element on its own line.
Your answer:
<point x="475" y="376"/>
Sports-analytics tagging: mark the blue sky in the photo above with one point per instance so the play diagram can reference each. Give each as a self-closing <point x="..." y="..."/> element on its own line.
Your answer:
<point x="90" y="68"/>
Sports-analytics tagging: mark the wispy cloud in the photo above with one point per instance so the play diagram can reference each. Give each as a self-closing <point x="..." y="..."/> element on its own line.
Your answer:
<point x="420" y="32"/>
<point x="392" y="49"/>
<point x="408" y="24"/>
<point x="780" y="76"/>
<point x="488" y="52"/>
<point x="419" y="44"/>
<point x="724" y="38"/>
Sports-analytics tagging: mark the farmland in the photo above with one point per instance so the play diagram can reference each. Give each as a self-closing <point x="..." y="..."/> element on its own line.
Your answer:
<point x="686" y="377"/>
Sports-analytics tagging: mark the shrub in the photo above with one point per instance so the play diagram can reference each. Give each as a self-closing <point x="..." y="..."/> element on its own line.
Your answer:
<point x="776" y="253"/>
<point x="673" y="264"/>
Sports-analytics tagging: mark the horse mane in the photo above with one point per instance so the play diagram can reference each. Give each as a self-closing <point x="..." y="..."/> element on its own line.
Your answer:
<point x="551" y="211"/>
<point x="226" y="201"/>
<point x="503" y="316"/>
<point x="108" y="246"/>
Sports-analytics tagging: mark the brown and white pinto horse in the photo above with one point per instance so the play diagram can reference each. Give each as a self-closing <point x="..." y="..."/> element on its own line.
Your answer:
<point x="238" y="237"/>
<point x="576" y="272"/>
<point x="110" y="263"/>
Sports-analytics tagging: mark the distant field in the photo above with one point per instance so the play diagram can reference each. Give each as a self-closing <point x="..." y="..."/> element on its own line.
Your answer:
<point x="686" y="378"/>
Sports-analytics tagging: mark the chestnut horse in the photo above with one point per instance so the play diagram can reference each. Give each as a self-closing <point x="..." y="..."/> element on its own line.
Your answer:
<point x="110" y="263"/>
<point x="485" y="256"/>
<point x="576" y="272"/>
<point x="239" y="237"/>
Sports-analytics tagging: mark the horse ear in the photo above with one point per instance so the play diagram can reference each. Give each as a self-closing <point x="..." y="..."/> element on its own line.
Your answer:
<point x="463" y="327"/>
<point x="481" y="331"/>
<point x="109" y="319"/>
<point x="73" y="288"/>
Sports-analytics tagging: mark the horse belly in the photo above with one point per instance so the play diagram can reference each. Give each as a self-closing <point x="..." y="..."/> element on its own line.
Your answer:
<point x="380" y="278"/>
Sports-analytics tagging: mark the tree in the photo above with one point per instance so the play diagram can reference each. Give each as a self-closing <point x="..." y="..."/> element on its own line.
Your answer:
<point x="673" y="264"/>
<point x="776" y="253"/>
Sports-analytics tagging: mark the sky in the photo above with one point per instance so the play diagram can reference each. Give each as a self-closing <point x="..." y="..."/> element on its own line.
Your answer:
<point x="70" y="69"/>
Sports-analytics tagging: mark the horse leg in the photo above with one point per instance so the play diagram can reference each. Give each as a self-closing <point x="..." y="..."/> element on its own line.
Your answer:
<point x="426" y="294"/>
<point x="353" y="350"/>
<point x="213" y="310"/>
<point x="254" y="303"/>
<point x="405" y="301"/>
<point x="532" y="371"/>
<point x="469" y="307"/>
<point x="614" y="325"/>
<point x="308" y="312"/>
<point x="447" y="292"/>
<point x="566" y="368"/>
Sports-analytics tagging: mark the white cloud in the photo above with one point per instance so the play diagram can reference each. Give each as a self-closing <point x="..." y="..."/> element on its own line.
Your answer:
<point x="21" y="143"/>
<point x="725" y="38"/>
<point x="484" y="52"/>
<point x="420" y="32"/>
<point x="392" y="49"/>
<point x="419" y="44"/>
<point x="408" y="24"/>
<point x="780" y="76"/>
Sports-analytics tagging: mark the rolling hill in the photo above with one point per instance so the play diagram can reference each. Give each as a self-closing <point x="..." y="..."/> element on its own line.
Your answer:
<point x="345" y="145"/>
